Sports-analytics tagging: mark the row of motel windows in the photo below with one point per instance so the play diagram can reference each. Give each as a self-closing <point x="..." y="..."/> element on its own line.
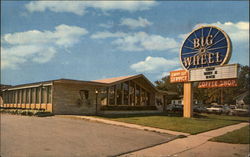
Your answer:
<point x="35" y="95"/>
<point x="127" y="93"/>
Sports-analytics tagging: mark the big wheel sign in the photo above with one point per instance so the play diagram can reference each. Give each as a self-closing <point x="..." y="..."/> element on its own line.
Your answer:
<point x="204" y="55"/>
<point x="204" y="47"/>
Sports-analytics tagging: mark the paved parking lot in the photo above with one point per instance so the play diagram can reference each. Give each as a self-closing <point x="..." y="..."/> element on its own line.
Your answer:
<point x="23" y="136"/>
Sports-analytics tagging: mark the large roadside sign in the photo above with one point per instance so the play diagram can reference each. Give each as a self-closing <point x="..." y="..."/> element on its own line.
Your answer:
<point x="228" y="71"/>
<point x="204" y="55"/>
<point x="204" y="47"/>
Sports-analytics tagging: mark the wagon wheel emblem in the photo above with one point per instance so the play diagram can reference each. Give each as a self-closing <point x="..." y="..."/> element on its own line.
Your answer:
<point x="205" y="46"/>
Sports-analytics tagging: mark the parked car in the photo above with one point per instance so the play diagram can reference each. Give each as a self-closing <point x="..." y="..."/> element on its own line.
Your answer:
<point x="227" y="110"/>
<point x="174" y="107"/>
<point x="232" y="106"/>
<point x="177" y="108"/>
<point x="241" y="112"/>
<point x="199" y="109"/>
<point x="215" y="109"/>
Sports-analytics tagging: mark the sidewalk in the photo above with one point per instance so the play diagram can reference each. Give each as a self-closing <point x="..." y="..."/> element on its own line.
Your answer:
<point x="192" y="146"/>
<point x="135" y="126"/>
<point x="197" y="146"/>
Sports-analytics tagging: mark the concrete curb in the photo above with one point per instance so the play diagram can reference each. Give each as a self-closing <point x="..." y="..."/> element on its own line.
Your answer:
<point x="128" y="125"/>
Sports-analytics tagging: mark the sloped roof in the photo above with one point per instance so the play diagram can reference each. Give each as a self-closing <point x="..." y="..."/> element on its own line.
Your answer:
<point x="115" y="79"/>
<point x="102" y="82"/>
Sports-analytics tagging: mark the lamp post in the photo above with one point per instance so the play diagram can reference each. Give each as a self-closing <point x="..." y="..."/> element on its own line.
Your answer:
<point x="96" y="94"/>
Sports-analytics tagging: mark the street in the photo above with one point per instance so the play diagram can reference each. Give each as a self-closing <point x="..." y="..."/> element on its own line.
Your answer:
<point x="23" y="136"/>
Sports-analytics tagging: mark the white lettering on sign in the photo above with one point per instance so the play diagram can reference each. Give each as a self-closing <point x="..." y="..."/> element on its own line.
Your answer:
<point x="203" y="59"/>
<point x="179" y="76"/>
<point x="214" y="73"/>
<point x="203" y="41"/>
<point x="218" y="83"/>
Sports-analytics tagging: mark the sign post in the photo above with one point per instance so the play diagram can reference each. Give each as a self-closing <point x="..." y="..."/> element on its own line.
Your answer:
<point x="202" y="55"/>
<point x="188" y="100"/>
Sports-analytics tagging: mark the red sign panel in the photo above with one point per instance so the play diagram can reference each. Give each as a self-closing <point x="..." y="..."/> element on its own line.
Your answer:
<point x="179" y="76"/>
<point x="218" y="83"/>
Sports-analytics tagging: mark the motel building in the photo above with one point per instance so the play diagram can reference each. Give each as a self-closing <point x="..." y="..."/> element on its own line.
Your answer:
<point x="128" y="94"/>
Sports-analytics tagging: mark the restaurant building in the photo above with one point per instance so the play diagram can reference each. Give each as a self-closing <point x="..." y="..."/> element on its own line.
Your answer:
<point x="65" y="96"/>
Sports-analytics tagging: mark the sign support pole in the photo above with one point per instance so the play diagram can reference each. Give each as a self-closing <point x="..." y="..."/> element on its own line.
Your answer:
<point x="188" y="100"/>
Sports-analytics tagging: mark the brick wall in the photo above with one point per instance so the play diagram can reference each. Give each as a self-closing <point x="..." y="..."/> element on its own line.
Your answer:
<point x="67" y="100"/>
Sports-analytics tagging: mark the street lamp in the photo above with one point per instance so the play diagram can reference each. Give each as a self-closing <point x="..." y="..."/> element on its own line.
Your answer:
<point x="96" y="94"/>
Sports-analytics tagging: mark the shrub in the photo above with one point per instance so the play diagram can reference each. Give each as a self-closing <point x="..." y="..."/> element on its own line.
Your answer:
<point x="127" y="108"/>
<point x="28" y="112"/>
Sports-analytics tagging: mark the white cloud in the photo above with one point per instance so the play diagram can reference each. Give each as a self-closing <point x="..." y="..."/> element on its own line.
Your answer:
<point x="63" y="35"/>
<point x="141" y="41"/>
<point x="134" y="23"/>
<point x="80" y="7"/>
<point x="107" y="25"/>
<point x="238" y="32"/>
<point x="154" y="64"/>
<point x="166" y="73"/>
<point x="106" y="34"/>
<point x="37" y="46"/>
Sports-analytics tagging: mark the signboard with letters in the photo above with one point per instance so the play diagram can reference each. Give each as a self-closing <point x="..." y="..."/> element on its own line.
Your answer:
<point x="218" y="83"/>
<point x="179" y="76"/>
<point x="214" y="73"/>
<point x="204" y="55"/>
<point x="204" y="47"/>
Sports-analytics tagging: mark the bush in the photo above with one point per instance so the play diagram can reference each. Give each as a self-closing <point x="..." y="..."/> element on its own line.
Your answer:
<point x="127" y="108"/>
<point x="28" y="112"/>
<point x="43" y="114"/>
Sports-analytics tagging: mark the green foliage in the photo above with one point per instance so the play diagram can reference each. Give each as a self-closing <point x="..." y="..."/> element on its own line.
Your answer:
<point x="240" y="136"/>
<point x="198" y="124"/>
<point x="127" y="108"/>
<point x="26" y="112"/>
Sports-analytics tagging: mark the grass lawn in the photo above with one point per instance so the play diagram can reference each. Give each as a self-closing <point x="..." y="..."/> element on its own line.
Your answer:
<point x="240" y="136"/>
<point x="200" y="123"/>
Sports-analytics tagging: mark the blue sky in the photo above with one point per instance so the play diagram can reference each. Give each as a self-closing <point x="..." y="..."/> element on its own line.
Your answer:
<point x="86" y="40"/>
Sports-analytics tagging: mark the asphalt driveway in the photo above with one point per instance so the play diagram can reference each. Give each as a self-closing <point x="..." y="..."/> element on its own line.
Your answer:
<point x="23" y="136"/>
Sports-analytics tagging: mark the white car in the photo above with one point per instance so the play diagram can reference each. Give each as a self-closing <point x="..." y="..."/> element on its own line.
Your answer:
<point x="241" y="112"/>
<point x="215" y="109"/>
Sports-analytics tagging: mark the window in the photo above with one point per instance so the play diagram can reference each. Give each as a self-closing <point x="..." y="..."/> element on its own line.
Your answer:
<point x="4" y="97"/>
<point x="49" y="94"/>
<point x="125" y="84"/>
<point x="84" y="94"/>
<point x="23" y="96"/>
<point x="143" y="97"/>
<point x="37" y="91"/>
<point x="131" y="93"/>
<point x="44" y="94"/>
<point x="18" y="96"/>
<point x="7" y="97"/>
<point x="137" y="95"/>
<point x="14" y="96"/>
<point x="27" y="96"/>
<point x="147" y="101"/>
<point x="103" y="96"/>
<point x="33" y="95"/>
<point x="119" y="94"/>
<point x="112" y="95"/>
<point x="11" y="97"/>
